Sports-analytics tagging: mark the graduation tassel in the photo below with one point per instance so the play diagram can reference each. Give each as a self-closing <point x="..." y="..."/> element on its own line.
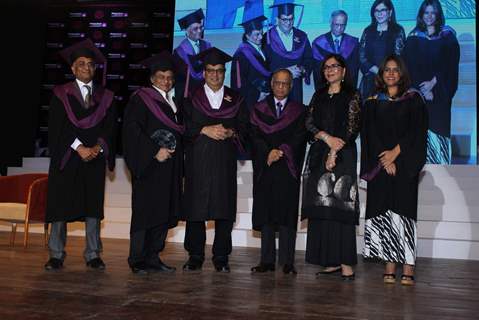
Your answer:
<point x="238" y="74"/>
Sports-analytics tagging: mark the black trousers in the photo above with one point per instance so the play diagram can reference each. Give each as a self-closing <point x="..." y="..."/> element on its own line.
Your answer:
<point x="287" y="244"/>
<point x="195" y="240"/>
<point x="145" y="245"/>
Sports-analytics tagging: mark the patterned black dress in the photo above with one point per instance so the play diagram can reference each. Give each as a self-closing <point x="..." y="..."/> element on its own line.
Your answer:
<point x="330" y="198"/>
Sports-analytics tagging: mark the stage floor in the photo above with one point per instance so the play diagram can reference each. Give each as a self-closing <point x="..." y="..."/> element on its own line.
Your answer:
<point x="445" y="289"/>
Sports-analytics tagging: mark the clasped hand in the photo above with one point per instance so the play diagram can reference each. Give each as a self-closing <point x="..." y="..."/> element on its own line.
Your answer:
<point x="217" y="132"/>
<point x="88" y="154"/>
<point x="273" y="156"/>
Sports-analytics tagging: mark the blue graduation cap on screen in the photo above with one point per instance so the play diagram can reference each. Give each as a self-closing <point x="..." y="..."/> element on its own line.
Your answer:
<point x="286" y="7"/>
<point x="253" y="24"/>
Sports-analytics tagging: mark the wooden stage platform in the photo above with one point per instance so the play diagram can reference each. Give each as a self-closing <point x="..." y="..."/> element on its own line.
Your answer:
<point x="445" y="289"/>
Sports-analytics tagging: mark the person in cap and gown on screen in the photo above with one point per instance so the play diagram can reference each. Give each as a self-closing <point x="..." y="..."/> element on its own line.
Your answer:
<point x="249" y="71"/>
<point x="153" y="151"/>
<point x="336" y="41"/>
<point x="193" y="44"/>
<point x="278" y="137"/>
<point x="81" y="142"/>
<point x="216" y="120"/>
<point x="289" y="47"/>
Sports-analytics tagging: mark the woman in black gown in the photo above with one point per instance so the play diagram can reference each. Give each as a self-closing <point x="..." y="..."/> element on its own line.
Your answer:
<point x="432" y="56"/>
<point x="380" y="39"/>
<point x="393" y="152"/>
<point x="330" y="190"/>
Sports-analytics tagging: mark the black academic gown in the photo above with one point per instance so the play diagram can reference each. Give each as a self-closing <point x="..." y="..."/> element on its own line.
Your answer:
<point x="250" y="81"/>
<point x="76" y="188"/>
<point x="385" y="124"/>
<point x="185" y="52"/>
<point x="275" y="187"/>
<point x="349" y="49"/>
<point x="211" y="165"/>
<point x="278" y="57"/>
<point x="157" y="186"/>
<point x="429" y="57"/>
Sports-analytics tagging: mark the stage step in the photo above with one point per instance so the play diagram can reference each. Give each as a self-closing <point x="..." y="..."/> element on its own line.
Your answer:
<point x="448" y="212"/>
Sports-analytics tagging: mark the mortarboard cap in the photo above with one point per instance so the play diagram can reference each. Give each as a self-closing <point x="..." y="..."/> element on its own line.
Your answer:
<point x="213" y="56"/>
<point x="164" y="61"/>
<point x="85" y="48"/>
<point x="253" y="24"/>
<point x="286" y="8"/>
<point x="194" y="17"/>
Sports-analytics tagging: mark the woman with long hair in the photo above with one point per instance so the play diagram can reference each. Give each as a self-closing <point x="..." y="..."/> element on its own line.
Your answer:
<point x="393" y="152"/>
<point x="330" y="190"/>
<point x="383" y="36"/>
<point x="432" y="56"/>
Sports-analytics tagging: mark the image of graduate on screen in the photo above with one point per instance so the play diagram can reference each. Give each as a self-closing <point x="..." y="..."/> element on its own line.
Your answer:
<point x="435" y="38"/>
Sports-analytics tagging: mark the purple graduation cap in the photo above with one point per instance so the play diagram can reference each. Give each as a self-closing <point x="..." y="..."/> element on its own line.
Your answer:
<point x="189" y="19"/>
<point x="253" y="24"/>
<point x="164" y="61"/>
<point x="85" y="48"/>
<point x="213" y="56"/>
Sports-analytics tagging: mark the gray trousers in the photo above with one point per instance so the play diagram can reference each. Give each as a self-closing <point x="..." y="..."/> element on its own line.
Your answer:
<point x="58" y="239"/>
<point x="287" y="244"/>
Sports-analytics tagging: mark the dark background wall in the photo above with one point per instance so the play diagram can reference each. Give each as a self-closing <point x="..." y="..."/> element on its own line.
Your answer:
<point x="33" y="32"/>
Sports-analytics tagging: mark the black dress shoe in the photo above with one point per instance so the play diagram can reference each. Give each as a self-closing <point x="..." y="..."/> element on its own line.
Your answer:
<point x="347" y="277"/>
<point x="139" y="268"/>
<point x="222" y="267"/>
<point x="263" y="267"/>
<point x="54" y="264"/>
<point x="289" y="269"/>
<point x="193" y="265"/>
<point x="96" y="263"/>
<point x="330" y="271"/>
<point x="159" y="266"/>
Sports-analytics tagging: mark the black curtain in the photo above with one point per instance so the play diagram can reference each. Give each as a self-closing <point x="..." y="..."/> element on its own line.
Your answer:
<point x="22" y="31"/>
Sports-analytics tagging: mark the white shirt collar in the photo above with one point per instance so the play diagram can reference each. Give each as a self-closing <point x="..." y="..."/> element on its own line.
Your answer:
<point x="170" y="101"/>
<point x="81" y="84"/>
<point x="194" y="44"/>
<point x="290" y="34"/>
<point x="258" y="48"/>
<point x="214" y="98"/>
<point x="83" y="90"/>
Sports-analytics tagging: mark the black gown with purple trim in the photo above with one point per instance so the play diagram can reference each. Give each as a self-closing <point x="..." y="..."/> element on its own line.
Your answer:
<point x="275" y="188"/>
<point x="76" y="188"/>
<point x="156" y="186"/>
<point x="249" y="81"/>
<point x="283" y="59"/>
<point x="211" y="165"/>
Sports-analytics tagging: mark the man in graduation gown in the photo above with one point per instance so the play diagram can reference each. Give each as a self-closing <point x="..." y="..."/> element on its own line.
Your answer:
<point x="249" y="71"/>
<point x="153" y="151"/>
<point x="216" y="119"/>
<point x="278" y="137"/>
<point x="187" y="81"/>
<point x="289" y="47"/>
<point x="81" y="140"/>
<point x="336" y="41"/>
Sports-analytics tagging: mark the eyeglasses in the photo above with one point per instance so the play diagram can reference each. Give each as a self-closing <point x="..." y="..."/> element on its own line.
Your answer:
<point x="287" y="19"/>
<point x="339" y="25"/>
<point x="383" y="10"/>
<point x="333" y="67"/>
<point x="215" y="71"/>
<point x="280" y="84"/>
